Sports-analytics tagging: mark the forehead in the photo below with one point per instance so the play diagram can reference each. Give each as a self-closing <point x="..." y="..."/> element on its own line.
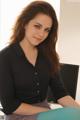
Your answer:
<point x="43" y="20"/>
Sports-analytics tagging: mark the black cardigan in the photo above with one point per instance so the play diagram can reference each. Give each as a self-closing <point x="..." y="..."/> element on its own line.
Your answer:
<point x="20" y="81"/>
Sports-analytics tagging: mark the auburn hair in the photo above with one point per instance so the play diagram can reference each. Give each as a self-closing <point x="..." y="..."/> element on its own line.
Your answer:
<point x="49" y="45"/>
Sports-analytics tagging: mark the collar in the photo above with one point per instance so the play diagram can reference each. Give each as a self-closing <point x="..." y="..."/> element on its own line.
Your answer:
<point x="18" y="49"/>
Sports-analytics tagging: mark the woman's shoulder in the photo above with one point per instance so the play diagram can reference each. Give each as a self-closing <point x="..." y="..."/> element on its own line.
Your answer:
<point x="5" y="53"/>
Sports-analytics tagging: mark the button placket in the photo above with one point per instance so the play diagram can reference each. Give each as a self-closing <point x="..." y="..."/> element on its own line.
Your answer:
<point x="36" y="78"/>
<point x="36" y="83"/>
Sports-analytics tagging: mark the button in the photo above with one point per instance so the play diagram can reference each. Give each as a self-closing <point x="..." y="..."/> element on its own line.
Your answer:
<point x="37" y="83"/>
<point x="38" y="91"/>
<point x="36" y="73"/>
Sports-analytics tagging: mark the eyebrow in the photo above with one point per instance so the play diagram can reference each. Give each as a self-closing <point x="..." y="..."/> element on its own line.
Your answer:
<point x="41" y="25"/>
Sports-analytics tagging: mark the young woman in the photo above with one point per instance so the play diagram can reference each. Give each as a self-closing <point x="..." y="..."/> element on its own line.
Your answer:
<point x="30" y="64"/>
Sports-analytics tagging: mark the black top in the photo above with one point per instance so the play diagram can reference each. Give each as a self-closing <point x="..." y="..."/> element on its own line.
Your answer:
<point x="20" y="81"/>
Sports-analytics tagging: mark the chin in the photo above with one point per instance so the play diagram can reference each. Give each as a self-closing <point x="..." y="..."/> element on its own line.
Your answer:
<point x="36" y="44"/>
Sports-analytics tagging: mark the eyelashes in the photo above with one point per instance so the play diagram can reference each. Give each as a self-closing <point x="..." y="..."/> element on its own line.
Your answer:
<point x="39" y="27"/>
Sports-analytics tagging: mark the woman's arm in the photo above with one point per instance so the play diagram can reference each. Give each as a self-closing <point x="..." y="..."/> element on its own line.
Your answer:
<point x="27" y="109"/>
<point x="68" y="101"/>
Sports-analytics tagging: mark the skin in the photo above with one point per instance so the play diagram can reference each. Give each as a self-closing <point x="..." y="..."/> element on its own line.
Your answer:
<point x="36" y="31"/>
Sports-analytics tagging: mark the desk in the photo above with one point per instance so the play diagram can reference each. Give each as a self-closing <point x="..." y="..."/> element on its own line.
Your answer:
<point x="66" y="113"/>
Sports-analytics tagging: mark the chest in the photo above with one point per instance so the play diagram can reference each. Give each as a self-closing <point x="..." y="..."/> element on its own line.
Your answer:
<point x="27" y="77"/>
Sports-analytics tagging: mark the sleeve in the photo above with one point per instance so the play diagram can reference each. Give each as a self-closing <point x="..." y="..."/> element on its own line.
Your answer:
<point x="57" y="87"/>
<point x="7" y="90"/>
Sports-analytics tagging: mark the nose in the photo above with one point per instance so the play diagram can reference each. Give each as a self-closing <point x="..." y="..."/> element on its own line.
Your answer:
<point x="41" y="33"/>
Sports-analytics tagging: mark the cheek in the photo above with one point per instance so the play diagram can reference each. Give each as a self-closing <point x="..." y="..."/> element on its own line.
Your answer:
<point x="46" y="35"/>
<point x="32" y="31"/>
<point x="29" y="32"/>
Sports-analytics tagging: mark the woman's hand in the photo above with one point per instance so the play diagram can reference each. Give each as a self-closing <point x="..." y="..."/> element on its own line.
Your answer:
<point x="68" y="101"/>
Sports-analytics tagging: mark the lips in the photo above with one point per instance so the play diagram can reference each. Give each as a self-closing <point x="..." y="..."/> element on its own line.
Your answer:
<point x="38" y="38"/>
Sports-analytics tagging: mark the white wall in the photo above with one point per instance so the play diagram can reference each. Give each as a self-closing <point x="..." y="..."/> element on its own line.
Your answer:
<point x="69" y="35"/>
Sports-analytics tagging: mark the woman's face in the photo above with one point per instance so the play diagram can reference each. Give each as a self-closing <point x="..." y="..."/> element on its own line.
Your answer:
<point x="37" y="30"/>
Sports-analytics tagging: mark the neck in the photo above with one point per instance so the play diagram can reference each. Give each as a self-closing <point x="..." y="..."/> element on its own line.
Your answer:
<point x="27" y="47"/>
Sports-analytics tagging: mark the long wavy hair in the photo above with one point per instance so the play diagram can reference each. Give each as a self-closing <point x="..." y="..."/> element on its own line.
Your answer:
<point x="49" y="45"/>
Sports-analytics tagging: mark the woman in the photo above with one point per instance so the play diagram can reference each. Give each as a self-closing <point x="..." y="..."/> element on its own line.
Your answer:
<point x="30" y="64"/>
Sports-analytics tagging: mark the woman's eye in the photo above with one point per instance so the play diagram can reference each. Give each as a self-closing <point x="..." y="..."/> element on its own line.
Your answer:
<point x="37" y="26"/>
<point x="48" y="31"/>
